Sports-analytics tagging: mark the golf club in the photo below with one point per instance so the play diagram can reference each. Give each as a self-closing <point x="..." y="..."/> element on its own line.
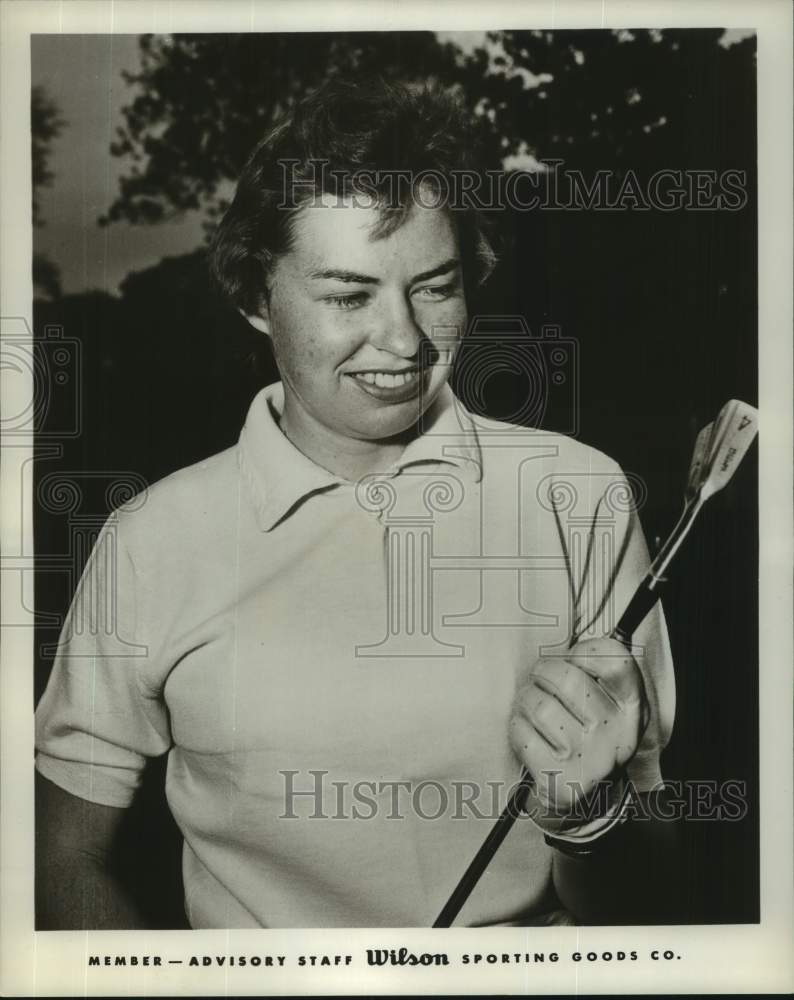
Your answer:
<point x="719" y="448"/>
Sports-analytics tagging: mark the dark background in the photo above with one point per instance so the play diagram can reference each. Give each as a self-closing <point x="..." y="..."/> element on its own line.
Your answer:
<point x="662" y="308"/>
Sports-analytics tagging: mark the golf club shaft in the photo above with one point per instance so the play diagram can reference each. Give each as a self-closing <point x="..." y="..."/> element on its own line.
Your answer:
<point x="646" y="595"/>
<point x="490" y="845"/>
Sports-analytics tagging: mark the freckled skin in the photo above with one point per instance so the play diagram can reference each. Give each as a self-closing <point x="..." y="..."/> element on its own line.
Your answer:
<point x="318" y="340"/>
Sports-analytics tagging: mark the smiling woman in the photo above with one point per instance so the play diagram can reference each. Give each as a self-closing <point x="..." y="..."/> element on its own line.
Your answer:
<point x="352" y="263"/>
<point x="364" y="330"/>
<point x="278" y="611"/>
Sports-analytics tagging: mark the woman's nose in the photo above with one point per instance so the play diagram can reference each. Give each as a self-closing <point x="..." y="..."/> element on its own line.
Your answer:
<point x="396" y="329"/>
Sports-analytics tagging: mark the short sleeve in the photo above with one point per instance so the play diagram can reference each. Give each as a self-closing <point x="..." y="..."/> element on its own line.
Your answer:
<point x="611" y="566"/>
<point x="100" y="716"/>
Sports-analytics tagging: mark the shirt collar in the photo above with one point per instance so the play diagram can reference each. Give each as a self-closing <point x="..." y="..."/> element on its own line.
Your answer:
<point x="279" y="476"/>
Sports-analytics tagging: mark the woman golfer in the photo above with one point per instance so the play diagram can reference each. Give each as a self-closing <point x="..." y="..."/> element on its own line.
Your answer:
<point x="350" y="631"/>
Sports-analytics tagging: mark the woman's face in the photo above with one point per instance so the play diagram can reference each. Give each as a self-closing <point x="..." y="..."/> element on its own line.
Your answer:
<point x="347" y="315"/>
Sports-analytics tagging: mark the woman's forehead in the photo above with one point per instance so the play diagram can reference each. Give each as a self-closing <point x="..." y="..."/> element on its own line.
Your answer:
<point x="346" y="233"/>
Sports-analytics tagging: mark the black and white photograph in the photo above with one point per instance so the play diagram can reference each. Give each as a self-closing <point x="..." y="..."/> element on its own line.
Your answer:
<point x="392" y="546"/>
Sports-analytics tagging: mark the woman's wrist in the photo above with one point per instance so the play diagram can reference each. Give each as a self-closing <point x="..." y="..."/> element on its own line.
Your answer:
<point x="591" y="819"/>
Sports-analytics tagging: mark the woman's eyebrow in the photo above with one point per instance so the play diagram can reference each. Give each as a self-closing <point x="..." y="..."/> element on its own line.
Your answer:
<point x="339" y="275"/>
<point x="353" y="277"/>
<point x="448" y="265"/>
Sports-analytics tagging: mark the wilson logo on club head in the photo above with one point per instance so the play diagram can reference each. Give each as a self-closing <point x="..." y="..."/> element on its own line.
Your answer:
<point x="728" y="459"/>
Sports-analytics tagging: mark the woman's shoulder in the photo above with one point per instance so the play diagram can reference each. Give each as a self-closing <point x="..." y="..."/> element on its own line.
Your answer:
<point x="184" y="505"/>
<point x="503" y="443"/>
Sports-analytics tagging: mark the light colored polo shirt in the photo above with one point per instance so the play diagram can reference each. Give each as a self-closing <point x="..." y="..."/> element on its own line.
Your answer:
<point x="331" y="665"/>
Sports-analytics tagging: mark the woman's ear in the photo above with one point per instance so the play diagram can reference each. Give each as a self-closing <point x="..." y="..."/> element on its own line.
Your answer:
<point x="259" y="321"/>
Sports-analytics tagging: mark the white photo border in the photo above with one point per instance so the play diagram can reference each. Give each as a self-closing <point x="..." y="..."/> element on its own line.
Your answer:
<point x="714" y="958"/>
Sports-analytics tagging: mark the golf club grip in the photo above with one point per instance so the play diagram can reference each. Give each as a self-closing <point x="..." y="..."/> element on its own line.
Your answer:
<point x="644" y="598"/>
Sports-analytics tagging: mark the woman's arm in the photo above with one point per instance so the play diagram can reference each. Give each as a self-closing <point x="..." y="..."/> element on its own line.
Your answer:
<point x="75" y="886"/>
<point x="635" y="876"/>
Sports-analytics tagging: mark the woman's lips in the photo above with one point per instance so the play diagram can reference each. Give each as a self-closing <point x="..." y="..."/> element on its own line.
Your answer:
<point x="391" y="387"/>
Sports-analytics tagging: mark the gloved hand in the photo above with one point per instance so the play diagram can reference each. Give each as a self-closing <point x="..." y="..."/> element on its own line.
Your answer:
<point x="576" y="720"/>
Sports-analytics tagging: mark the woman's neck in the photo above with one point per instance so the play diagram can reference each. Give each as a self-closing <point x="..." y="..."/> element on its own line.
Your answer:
<point x="350" y="458"/>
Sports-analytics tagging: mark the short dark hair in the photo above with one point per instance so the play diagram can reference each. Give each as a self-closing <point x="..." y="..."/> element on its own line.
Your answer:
<point x="371" y="129"/>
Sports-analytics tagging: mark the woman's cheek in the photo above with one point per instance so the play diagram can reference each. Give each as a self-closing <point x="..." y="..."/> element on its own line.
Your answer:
<point x="444" y="314"/>
<point x="303" y="339"/>
<point x="445" y="328"/>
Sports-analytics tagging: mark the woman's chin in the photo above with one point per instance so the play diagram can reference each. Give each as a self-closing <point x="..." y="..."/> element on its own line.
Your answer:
<point x="397" y="420"/>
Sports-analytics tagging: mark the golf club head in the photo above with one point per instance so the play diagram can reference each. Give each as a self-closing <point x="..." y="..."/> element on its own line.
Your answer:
<point x="733" y="432"/>
<point x="699" y="453"/>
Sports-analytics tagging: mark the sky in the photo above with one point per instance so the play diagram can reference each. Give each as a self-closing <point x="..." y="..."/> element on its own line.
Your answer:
<point x="82" y="73"/>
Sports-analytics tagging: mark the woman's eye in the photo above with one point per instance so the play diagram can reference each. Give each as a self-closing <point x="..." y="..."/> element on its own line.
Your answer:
<point x="438" y="291"/>
<point x="349" y="301"/>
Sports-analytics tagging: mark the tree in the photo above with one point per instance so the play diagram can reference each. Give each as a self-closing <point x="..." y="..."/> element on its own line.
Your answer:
<point x="598" y="99"/>
<point x="205" y="100"/>
<point x="616" y="99"/>
<point x="45" y="125"/>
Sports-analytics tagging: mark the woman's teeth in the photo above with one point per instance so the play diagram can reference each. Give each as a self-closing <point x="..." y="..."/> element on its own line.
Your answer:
<point x="386" y="380"/>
